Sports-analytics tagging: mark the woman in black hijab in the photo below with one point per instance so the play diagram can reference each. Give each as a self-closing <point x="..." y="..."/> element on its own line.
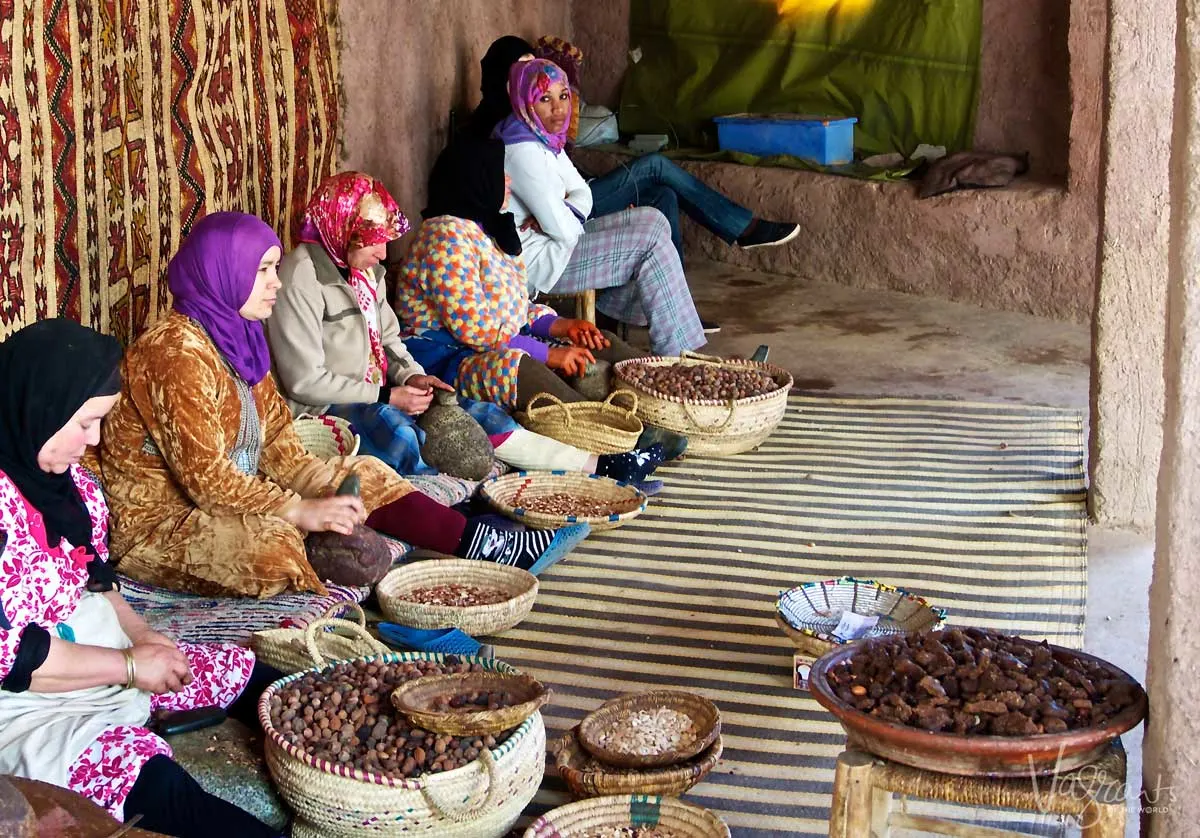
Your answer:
<point x="80" y="672"/>
<point x="493" y="83"/>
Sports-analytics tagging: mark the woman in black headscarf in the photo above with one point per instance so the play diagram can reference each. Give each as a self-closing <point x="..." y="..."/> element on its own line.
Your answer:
<point x="80" y="673"/>
<point x="493" y="83"/>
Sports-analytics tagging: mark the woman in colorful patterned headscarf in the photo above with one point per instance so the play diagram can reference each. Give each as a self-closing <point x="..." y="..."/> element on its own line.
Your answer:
<point x="570" y="58"/>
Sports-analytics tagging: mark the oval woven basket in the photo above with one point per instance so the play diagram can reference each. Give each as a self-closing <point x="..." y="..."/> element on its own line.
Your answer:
<point x="325" y="639"/>
<point x="477" y="620"/>
<point x="586" y="776"/>
<point x="415" y="698"/>
<point x="326" y="436"/>
<point x="599" y="427"/>
<point x="596" y="724"/>
<point x="480" y="800"/>
<point x="632" y="812"/>
<point x="809" y="613"/>
<point x="713" y="428"/>
<point x="509" y="494"/>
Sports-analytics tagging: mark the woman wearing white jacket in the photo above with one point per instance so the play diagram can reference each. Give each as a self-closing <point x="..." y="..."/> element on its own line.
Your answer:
<point x="627" y="257"/>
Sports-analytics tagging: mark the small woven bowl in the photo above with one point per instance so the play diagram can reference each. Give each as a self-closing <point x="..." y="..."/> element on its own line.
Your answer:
<point x="809" y="613"/>
<point x="508" y="493"/>
<point x="326" y="436"/>
<point x="703" y="713"/>
<point x="587" y="777"/>
<point x="631" y="812"/>
<point x="415" y="699"/>
<point x="521" y="587"/>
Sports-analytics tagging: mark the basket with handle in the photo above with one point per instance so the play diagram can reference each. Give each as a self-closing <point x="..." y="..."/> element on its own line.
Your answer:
<point x="628" y="811"/>
<point x="599" y="427"/>
<point x="713" y="428"/>
<point x="480" y="800"/>
<point x="293" y="649"/>
<point x="326" y="436"/>
<point x="513" y="494"/>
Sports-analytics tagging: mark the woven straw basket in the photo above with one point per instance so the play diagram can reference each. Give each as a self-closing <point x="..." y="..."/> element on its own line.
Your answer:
<point x="293" y="649"/>
<point x="509" y="492"/>
<point x="809" y="613"/>
<point x="713" y="428"/>
<point x="477" y="620"/>
<point x="326" y="436"/>
<point x="586" y="776"/>
<point x="703" y="713"/>
<point x="598" y="427"/>
<point x="630" y="811"/>
<point x="480" y="800"/>
<point x="415" y="700"/>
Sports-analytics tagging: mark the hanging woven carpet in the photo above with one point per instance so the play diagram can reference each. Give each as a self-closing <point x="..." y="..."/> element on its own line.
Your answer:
<point x="122" y="122"/>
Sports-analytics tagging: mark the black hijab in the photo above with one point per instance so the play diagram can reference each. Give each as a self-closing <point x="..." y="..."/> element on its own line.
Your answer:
<point x="493" y="83"/>
<point x="47" y="371"/>
<point x="468" y="182"/>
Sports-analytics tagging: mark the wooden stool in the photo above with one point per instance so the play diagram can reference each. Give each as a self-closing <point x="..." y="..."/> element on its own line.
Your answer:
<point x="864" y="784"/>
<point x="585" y="304"/>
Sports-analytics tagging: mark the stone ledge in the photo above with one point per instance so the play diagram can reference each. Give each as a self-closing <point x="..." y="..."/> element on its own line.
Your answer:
<point x="1030" y="247"/>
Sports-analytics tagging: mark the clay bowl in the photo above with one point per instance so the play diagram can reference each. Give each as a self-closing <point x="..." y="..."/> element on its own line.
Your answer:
<point x="975" y="756"/>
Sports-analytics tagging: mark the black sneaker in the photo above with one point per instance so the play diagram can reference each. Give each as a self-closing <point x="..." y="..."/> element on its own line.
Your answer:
<point x="767" y="234"/>
<point x="710" y="328"/>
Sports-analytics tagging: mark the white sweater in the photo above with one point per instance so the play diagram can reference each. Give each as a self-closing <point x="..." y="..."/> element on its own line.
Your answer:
<point x="541" y="180"/>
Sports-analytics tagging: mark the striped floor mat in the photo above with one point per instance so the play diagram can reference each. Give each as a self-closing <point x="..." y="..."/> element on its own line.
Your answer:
<point x="978" y="507"/>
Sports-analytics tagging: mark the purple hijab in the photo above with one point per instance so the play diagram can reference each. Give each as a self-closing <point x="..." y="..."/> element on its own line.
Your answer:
<point x="527" y="81"/>
<point x="211" y="277"/>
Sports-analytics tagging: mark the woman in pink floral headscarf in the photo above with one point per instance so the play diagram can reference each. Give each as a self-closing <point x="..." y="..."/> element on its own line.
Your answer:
<point x="335" y="341"/>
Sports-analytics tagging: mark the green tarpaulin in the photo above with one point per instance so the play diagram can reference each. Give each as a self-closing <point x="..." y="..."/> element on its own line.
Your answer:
<point x="908" y="69"/>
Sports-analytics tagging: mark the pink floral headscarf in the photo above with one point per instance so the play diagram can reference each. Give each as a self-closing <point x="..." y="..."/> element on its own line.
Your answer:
<point x="348" y="211"/>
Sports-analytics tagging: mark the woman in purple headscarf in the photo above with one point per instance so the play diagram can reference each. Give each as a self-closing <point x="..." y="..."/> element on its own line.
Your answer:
<point x="211" y="489"/>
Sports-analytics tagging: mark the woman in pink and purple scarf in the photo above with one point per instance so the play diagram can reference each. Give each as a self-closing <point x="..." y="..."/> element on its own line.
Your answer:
<point x="627" y="257"/>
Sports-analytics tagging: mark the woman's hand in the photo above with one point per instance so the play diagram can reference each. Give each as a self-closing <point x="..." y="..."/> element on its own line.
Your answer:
<point x="531" y="223"/>
<point x="428" y="382"/>
<point x="412" y="400"/>
<point x="579" y="332"/>
<point x="159" y="669"/>
<point x="340" y="513"/>
<point x="570" y="360"/>
<point x="150" y="637"/>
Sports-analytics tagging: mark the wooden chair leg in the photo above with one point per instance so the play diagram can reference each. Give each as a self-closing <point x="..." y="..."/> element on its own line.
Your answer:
<point x="881" y="813"/>
<point x="585" y="305"/>
<point x="850" y="815"/>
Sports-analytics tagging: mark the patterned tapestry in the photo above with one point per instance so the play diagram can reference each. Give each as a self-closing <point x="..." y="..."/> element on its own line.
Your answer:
<point x="122" y="122"/>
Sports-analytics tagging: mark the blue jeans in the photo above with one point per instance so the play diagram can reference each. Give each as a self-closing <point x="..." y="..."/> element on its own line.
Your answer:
<point x="654" y="181"/>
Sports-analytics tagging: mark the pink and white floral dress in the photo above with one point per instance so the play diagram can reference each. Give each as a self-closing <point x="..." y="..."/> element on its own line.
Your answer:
<point x="93" y="741"/>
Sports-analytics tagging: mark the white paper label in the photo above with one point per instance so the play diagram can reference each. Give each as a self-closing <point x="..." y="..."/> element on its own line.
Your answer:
<point x="854" y="626"/>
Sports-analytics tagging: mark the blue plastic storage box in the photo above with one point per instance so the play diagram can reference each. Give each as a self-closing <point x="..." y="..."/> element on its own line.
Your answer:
<point x="825" y="140"/>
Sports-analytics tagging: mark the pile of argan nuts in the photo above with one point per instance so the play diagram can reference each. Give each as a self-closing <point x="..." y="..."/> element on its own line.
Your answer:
<point x="473" y="701"/>
<point x="700" y="382"/>
<point x="344" y="715"/>
<point x="649" y="732"/>
<point x="564" y="504"/>
<point x="456" y="595"/>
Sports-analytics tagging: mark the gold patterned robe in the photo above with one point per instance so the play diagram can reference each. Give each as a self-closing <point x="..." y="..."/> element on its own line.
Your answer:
<point x="184" y="515"/>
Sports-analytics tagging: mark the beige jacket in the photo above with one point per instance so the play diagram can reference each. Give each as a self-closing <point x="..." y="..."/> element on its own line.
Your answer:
<point x="318" y="336"/>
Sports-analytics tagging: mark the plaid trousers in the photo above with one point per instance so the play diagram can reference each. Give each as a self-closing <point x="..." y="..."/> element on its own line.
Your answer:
<point x="630" y="261"/>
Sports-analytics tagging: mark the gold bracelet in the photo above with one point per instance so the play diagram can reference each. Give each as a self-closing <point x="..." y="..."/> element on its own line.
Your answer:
<point x="130" y="668"/>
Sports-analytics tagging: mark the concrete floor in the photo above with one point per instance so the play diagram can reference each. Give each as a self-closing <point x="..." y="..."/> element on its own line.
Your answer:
<point x="843" y="340"/>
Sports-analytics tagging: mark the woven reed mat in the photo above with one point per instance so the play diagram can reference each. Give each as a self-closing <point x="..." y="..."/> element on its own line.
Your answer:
<point x="199" y="619"/>
<point x="978" y="507"/>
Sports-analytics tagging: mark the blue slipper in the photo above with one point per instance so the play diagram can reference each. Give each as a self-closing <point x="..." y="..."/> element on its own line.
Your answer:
<point x="649" y="488"/>
<point x="449" y="641"/>
<point x="565" y="540"/>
